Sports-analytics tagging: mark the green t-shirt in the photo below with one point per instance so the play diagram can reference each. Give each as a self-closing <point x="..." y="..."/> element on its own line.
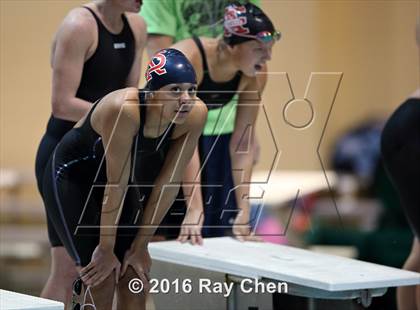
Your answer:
<point x="182" y="19"/>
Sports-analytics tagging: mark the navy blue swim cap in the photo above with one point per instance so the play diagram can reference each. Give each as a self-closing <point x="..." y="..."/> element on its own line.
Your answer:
<point x="247" y="22"/>
<point x="169" y="66"/>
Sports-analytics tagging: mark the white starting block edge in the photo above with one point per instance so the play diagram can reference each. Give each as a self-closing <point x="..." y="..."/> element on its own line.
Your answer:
<point x="17" y="301"/>
<point x="297" y="267"/>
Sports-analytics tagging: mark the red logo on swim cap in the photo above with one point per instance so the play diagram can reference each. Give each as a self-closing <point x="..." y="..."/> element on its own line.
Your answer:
<point x="234" y="23"/>
<point x="156" y="67"/>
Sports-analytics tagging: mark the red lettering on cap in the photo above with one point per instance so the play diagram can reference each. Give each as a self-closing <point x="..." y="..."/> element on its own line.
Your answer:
<point x="234" y="23"/>
<point x="156" y="67"/>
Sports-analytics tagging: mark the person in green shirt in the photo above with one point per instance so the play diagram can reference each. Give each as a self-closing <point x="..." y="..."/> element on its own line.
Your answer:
<point x="169" y="21"/>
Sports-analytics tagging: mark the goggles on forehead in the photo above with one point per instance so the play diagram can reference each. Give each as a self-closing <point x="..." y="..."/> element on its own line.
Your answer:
<point x="267" y="36"/>
<point x="263" y="36"/>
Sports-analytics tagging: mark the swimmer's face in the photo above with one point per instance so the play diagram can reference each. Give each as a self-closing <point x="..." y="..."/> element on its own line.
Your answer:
<point x="251" y="56"/>
<point x="129" y="5"/>
<point x="177" y="101"/>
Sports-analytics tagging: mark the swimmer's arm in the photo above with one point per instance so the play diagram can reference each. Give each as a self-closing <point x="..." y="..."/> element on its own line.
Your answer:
<point x="243" y="136"/>
<point x="262" y="81"/>
<point x="73" y="41"/>
<point x="117" y="140"/>
<point x="192" y="173"/>
<point x="138" y="26"/>
<point x="191" y="183"/>
<point x="184" y="142"/>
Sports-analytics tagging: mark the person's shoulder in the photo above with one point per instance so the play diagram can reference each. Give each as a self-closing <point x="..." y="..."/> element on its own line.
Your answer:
<point x="118" y="107"/>
<point x="123" y="104"/>
<point x="184" y="45"/>
<point x="124" y="100"/>
<point x="136" y="21"/>
<point x="190" y="50"/>
<point x="198" y="116"/>
<point x="137" y="25"/>
<point x="78" y="24"/>
<point x="125" y="96"/>
<point x="194" y="123"/>
<point x="79" y="19"/>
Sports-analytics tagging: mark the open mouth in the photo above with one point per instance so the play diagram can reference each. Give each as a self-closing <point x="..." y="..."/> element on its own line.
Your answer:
<point x="182" y="112"/>
<point x="184" y="109"/>
<point x="258" y="67"/>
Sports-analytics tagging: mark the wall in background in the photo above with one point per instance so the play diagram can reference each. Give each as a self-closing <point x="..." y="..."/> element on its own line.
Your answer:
<point x="369" y="45"/>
